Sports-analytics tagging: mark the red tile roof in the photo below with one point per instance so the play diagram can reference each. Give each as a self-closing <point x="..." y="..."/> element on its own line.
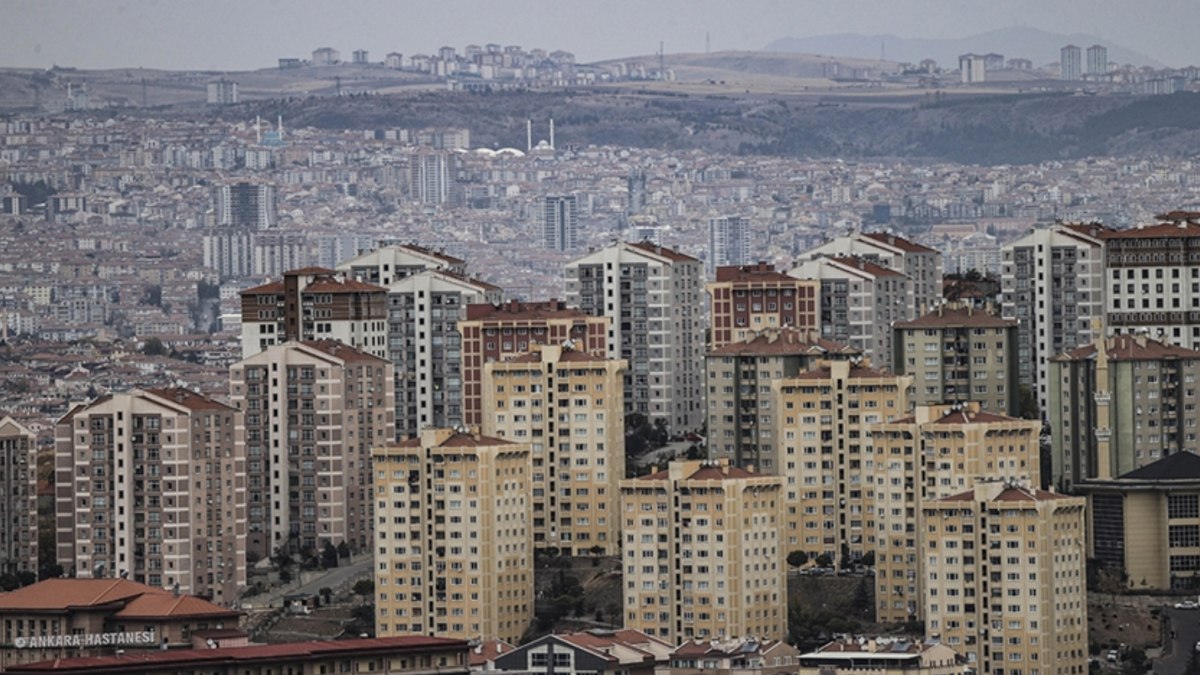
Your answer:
<point x="272" y="288"/>
<point x="189" y="399"/>
<point x="1131" y="348"/>
<point x="669" y="254"/>
<point x="163" y="605"/>
<point x="189" y="659"/>
<point x="331" y="285"/>
<point x="867" y="266"/>
<point x="342" y="351"/>
<point x="63" y="594"/>
<point x="449" y="259"/>
<point x="899" y="242"/>
<point x="486" y="651"/>
<point x="957" y="316"/>
<point x="760" y="272"/>
<point x="523" y="311"/>
<point x="1184" y="228"/>
<point x="784" y="342"/>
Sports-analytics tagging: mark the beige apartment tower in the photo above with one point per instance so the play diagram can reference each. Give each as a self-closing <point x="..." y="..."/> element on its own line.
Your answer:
<point x="313" y="411"/>
<point x="703" y="554"/>
<point x="18" y="509"/>
<point x="454" y="546"/>
<point x="939" y="451"/>
<point x="1005" y="580"/>
<point x="568" y="406"/>
<point x="150" y="486"/>
<point x="824" y="417"/>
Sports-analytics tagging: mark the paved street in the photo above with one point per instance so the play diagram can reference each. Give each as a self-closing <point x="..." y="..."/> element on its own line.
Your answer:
<point x="335" y="578"/>
<point x="1177" y="653"/>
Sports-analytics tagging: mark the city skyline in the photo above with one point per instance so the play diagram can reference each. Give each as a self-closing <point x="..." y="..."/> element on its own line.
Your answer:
<point x="154" y="35"/>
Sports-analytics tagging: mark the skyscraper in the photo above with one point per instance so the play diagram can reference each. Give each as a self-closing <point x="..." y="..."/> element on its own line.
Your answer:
<point x="728" y="242"/>
<point x="454" y="543"/>
<point x="18" y="480"/>
<point x="312" y="412"/>
<point x="431" y="174"/>
<point x="245" y="205"/>
<point x="558" y="216"/>
<point x="152" y="488"/>
<point x="1097" y="60"/>
<point x="1071" y="63"/>
<point x="653" y="297"/>
<point x="703" y="554"/>
<point x="567" y="405"/>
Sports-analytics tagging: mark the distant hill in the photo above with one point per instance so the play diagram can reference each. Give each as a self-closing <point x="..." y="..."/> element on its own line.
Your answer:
<point x="1039" y="46"/>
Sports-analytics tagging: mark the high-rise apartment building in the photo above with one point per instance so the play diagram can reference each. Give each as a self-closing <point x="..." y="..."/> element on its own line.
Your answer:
<point x="1153" y="279"/>
<point x="432" y="176"/>
<point x="493" y="332"/>
<point x="558" y="216"/>
<point x="18" y="509"/>
<point x="244" y="205"/>
<point x="653" y="296"/>
<point x="1071" y="63"/>
<point x="823" y="419"/>
<point x="739" y="400"/>
<point x="1052" y="283"/>
<point x="567" y="406"/>
<point x="314" y="303"/>
<point x="312" y="412"/>
<point x="1005" y="578"/>
<point x="859" y="302"/>
<point x="960" y="354"/>
<point x="222" y="92"/>
<point x="703" y="553"/>
<point x="923" y="265"/>
<point x="388" y="264"/>
<point x="728" y="242"/>
<point x="1097" y="60"/>
<point x="939" y="451"/>
<point x="454" y="546"/>
<point x="972" y="68"/>
<point x="150" y="486"/>
<point x="1120" y="404"/>
<point x="752" y="298"/>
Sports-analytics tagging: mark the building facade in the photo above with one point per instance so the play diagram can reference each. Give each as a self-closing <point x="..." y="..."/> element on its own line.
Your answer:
<point x="315" y="303"/>
<point x="823" y="417"/>
<point x="18" y="509"/>
<point x="150" y="486"/>
<point x="921" y="264"/>
<point x="939" y="451"/>
<point x="389" y="264"/>
<point x="653" y="297"/>
<point x="1020" y="600"/>
<point x="957" y="354"/>
<point x="703" y="554"/>
<point x="245" y="205"/>
<point x="1120" y="404"/>
<point x="728" y="242"/>
<point x="558" y="216"/>
<point x="748" y="299"/>
<point x="454" y="545"/>
<point x="1153" y="280"/>
<point x="492" y="332"/>
<point x="740" y="396"/>
<point x="567" y="405"/>
<point x="312" y="411"/>
<point x="1052" y="283"/>
<point x="1071" y="63"/>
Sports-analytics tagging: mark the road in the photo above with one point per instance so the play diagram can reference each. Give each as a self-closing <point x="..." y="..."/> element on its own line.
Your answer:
<point x="1177" y="653"/>
<point x="335" y="578"/>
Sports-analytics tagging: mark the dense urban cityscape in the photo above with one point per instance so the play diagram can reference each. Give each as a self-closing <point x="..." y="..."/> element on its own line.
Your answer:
<point x="324" y="396"/>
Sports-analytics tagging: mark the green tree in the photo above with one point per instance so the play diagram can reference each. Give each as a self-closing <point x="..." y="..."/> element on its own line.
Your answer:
<point x="364" y="588"/>
<point x="154" y="347"/>
<point x="797" y="558"/>
<point x="329" y="555"/>
<point x="824" y="560"/>
<point x="343" y="549"/>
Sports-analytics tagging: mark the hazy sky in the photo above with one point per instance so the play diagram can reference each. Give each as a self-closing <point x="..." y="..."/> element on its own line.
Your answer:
<point x="244" y="34"/>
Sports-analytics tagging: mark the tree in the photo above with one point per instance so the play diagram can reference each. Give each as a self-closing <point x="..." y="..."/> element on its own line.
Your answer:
<point x="364" y="588"/>
<point x="154" y="347"/>
<point x="343" y="549"/>
<point x="824" y="560"/>
<point x="797" y="558"/>
<point x="329" y="555"/>
<point x="868" y="559"/>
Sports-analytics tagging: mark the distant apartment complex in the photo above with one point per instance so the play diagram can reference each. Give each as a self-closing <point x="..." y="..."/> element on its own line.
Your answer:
<point x="1005" y="577"/>
<point x="453" y="537"/>
<point x="1071" y="63"/>
<point x="150" y="486"/>
<point x="567" y="405"/>
<point x="958" y="354"/>
<point x="749" y="299"/>
<point x="314" y="303"/>
<point x="312" y="411"/>
<point x="741" y="426"/>
<point x="921" y="264"/>
<point x="702" y="553"/>
<point x="728" y="242"/>
<point x="18" y="509"/>
<point x="558" y="216"/>
<point x="653" y="297"/>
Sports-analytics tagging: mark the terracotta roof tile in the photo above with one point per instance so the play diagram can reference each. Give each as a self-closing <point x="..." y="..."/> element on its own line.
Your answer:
<point x="784" y="342"/>
<point x="957" y="316"/>
<point x="899" y="242"/>
<point x="162" y="604"/>
<point x="1130" y="348"/>
<point x="867" y="266"/>
<point x="343" y="351"/>
<point x="669" y="254"/>
<point x="189" y="399"/>
<point x="761" y="272"/>
<point x="61" y="594"/>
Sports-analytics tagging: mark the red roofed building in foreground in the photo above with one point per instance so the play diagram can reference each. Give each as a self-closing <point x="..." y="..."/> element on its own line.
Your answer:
<point x="397" y="655"/>
<point x="314" y="303"/>
<point x="704" y="554"/>
<point x="74" y="618"/>
<point x="602" y="652"/>
<point x="1005" y="576"/>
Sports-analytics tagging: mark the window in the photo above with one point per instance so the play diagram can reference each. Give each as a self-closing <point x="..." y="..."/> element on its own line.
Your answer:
<point x="1183" y="506"/>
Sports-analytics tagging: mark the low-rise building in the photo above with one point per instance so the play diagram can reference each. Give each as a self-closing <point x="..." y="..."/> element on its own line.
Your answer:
<point x="599" y="652"/>
<point x="734" y="656"/>
<point x="882" y="656"/>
